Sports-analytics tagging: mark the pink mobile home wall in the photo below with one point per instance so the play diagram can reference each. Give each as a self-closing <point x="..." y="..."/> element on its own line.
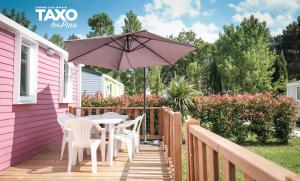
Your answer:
<point x="27" y="129"/>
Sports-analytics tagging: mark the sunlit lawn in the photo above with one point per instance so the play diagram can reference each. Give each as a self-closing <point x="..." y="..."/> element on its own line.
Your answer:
<point x="287" y="156"/>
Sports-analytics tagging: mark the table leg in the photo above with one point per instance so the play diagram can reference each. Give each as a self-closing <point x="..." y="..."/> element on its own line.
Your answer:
<point x="103" y="145"/>
<point x="111" y="144"/>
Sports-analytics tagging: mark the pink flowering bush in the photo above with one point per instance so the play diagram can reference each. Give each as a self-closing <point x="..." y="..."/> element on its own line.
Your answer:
<point x="264" y="115"/>
<point x="137" y="100"/>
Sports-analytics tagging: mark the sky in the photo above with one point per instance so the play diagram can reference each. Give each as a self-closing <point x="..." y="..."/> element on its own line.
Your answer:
<point x="166" y="17"/>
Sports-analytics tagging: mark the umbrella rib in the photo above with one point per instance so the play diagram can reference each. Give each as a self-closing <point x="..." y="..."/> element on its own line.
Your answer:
<point x="120" y="60"/>
<point x="115" y="47"/>
<point x="184" y="44"/>
<point x="141" y="45"/>
<point x="154" y="52"/>
<point x="123" y="49"/>
<point x="93" y="49"/>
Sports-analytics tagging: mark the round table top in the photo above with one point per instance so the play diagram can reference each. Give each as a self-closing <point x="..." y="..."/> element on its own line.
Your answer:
<point x="100" y="119"/>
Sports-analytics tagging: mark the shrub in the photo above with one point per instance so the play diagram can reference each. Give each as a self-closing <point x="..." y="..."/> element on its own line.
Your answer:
<point x="179" y="95"/>
<point x="98" y="100"/>
<point x="264" y="115"/>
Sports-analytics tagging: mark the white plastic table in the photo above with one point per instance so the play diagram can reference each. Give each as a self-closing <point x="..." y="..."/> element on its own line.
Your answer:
<point x="110" y="124"/>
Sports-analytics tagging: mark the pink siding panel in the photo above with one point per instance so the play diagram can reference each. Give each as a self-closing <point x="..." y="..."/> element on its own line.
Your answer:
<point x="27" y="129"/>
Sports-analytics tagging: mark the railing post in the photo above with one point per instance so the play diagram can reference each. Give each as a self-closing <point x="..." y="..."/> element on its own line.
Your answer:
<point x="189" y="150"/>
<point x="178" y="142"/>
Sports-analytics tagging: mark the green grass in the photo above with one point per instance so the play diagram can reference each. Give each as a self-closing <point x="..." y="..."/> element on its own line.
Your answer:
<point x="287" y="156"/>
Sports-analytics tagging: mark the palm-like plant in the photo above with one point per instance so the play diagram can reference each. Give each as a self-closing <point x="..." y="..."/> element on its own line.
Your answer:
<point x="179" y="95"/>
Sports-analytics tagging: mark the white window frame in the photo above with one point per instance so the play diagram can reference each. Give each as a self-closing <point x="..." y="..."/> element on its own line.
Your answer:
<point x="69" y="97"/>
<point x="297" y="93"/>
<point x="32" y="70"/>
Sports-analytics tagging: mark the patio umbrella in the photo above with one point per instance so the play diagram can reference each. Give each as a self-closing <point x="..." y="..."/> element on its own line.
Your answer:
<point x="140" y="49"/>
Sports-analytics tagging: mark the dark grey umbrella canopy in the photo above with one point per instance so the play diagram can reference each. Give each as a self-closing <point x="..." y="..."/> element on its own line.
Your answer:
<point x="125" y="51"/>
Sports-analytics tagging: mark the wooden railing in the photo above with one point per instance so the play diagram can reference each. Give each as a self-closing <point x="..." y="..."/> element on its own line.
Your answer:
<point x="204" y="149"/>
<point x="172" y="141"/>
<point x="162" y="124"/>
<point x="154" y="120"/>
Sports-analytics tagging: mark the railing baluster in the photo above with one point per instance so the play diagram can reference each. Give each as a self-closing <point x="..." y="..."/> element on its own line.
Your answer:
<point x="203" y="160"/>
<point x="151" y="123"/>
<point x="90" y="111"/>
<point x="228" y="170"/>
<point x="82" y="110"/>
<point x="97" y="111"/>
<point x="213" y="165"/>
<point x="196" y="157"/>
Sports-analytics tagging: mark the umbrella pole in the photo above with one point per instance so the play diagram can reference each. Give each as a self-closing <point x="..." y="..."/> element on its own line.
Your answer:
<point x="145" y="104"/>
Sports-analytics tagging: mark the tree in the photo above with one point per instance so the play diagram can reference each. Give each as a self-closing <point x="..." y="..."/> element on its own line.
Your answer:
<point x="280" y="76"/>
<point x="243" y="57"/>
<point x="289" y="44"/>
<point x="101" y="25"/>
<point x="73" y="37"/>
<point x="133" y="78"/>
<point x="155" y="81"/>
<point x="58" y="40"/>
<point x="132" y="24"/>
<point x="19" y="17"/>
<point x="195" y="65"/>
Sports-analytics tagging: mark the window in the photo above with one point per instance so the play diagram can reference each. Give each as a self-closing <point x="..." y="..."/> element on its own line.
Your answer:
<point x="25" y="70"/>
<point x="109" y="89"/>
<point x="298" y="93"/>
<point x="66" y="81"/>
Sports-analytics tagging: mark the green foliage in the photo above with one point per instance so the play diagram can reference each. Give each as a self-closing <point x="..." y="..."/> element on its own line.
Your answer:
<point x="131" y="23"/>
<point x="73" y="37"/>
<point x="137" y="100"/>
<point x="266" y="116"/>
<point x="58" y="40"/>
<point x="101" y="25"/>
<point x="198" y="60"/>
<point x="244" y="60"/>
<point x="289" y="43"/>
<point x="19" y="17"/>
<point x="155" y="81"/>
<point x="179" y="95"/>
<point x="280" y="76"/>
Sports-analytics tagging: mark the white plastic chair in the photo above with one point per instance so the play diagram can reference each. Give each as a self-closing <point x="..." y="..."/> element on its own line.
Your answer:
<point x="61" y="120"/>
<point x="129" y="137"/>
<point x="80" y="138"/>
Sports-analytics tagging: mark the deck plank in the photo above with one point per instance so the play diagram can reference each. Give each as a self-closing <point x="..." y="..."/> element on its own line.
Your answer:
<point x="150" y="164"/>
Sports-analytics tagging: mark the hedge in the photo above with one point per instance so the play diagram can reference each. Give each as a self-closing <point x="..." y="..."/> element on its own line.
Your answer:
<point x="137" y="100"/>
<point x="266" y="116"/>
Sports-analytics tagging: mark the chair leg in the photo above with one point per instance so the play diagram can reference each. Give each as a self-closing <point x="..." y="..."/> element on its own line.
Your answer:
<point x="63" y="144"/>
<point x="116" y="147"/>
<point x="133" y="146"/>
<point x="80" y="154"/>
<point x="75" y="153"/>
<point x="94" y="158"/>
<point x="137" y="145"/>
<point x="129" y="149"/>
<point x="70" y="159"/>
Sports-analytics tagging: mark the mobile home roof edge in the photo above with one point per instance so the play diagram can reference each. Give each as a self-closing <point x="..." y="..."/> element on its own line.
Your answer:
<point x="15" y="27"/>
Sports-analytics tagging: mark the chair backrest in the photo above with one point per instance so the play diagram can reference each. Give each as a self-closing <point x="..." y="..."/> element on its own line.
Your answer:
<point x="139" y="120"/>
<point x="81" y="131"/>
<point x="62" y="119"/>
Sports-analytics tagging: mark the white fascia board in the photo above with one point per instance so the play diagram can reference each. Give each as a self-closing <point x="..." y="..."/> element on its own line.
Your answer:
<point x="112" y="79"/>
<point x="14" y="27"/>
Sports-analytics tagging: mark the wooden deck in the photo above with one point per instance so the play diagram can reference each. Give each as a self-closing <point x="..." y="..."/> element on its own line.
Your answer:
<point x="150" y="164"/>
